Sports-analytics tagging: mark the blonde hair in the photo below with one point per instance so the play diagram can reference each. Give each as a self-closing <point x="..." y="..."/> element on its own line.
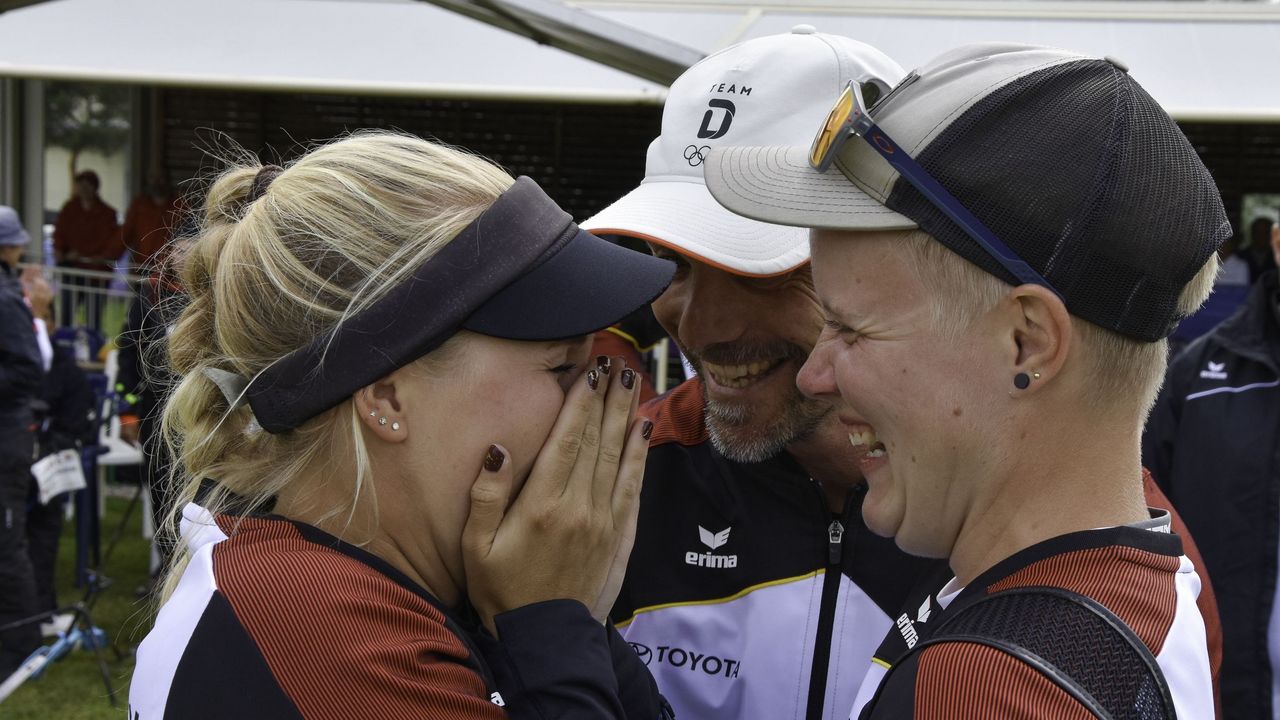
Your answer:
<point x="330" y="235"/>
<point x="1122" y="368"/>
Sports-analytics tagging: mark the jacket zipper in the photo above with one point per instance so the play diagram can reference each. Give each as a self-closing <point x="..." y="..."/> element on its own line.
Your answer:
<point x="827" y="610"/>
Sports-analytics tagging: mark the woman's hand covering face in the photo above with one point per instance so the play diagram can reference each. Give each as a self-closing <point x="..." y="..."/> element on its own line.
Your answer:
<point x="569" y="531"/>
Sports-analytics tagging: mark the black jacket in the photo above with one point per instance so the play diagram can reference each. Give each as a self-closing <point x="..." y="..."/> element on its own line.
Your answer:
<point x="66" y="419"/>
<point x="1213" y="445"/>
<point x="21" y="369"/>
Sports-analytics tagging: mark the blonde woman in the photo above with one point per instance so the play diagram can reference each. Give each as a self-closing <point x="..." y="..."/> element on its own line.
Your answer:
<point x="404" y="497"/>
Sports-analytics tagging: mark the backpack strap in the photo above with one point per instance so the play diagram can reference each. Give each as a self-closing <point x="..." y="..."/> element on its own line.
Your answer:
<point x="1073" y="640"/>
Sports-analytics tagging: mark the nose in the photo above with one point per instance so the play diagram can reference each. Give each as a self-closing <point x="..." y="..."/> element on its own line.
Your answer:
<point x="817" y="377"/>
<point x="712" y="307"/>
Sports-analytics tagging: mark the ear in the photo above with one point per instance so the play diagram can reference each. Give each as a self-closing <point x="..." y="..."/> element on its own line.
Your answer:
<point x="381" y="410"/>
<point x="1040" y="333"/>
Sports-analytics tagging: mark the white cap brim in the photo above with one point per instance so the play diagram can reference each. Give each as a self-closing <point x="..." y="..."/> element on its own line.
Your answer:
<point x="682" y="215"/>
<point x="777" y="185"/>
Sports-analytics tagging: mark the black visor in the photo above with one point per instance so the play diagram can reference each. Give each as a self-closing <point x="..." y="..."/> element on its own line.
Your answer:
<point x="522" y="271"/>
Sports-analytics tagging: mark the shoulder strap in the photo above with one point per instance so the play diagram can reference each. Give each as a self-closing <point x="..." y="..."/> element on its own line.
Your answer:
<point x="1071" y="639"/>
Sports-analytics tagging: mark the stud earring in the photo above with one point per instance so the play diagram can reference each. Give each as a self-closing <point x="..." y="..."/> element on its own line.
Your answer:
<point x="373" y="413"/>
<point x="1022" y="381"/>
<point x="395" y="426"/>
<point x="382" y="421"/>
<point x="1035" y="376"/>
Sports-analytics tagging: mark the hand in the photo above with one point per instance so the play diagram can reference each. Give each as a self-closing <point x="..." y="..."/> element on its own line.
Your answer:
<point x="568" y="533"/>
<point x="129" y="429"/>
<point x="37" y="290"/>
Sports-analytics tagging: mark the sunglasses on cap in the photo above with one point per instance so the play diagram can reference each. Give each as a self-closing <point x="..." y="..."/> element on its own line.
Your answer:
<point x="849" y="116"/>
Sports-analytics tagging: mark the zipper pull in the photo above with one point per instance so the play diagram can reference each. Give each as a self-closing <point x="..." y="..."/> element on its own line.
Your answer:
<point x="835" y="538"/>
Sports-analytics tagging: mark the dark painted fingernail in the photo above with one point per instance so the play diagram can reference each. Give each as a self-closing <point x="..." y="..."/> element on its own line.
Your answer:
<point x="593" y="379"/>
<point x="602" y="362"/>
<point x="646" y="429"/>
<point x="628" y="378"/>
<point x="493" y="459"/>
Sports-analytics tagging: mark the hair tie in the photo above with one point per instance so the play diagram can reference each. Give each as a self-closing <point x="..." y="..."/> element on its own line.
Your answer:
<point x="262" y="181"/>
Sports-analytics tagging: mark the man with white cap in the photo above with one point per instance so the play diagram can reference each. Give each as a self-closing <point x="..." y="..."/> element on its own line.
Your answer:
<point x="21" y="374"/>
<point x="754" y="589"/>
<point x="1002" y="246"/>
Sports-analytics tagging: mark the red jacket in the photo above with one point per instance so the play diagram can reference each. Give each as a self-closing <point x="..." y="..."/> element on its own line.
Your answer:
<point x="148" y="226"/>
<point x="87" y="238"/>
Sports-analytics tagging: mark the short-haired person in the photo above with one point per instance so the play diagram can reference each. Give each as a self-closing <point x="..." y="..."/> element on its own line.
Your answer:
<point x="993" y="344"/>
<point x="750" y="549"/>
<point x="86" y="236"/>
<point x="21" y="382"/>
<point x="404" y="497"/>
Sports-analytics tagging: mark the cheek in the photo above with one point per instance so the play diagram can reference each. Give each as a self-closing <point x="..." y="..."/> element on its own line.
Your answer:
<point x="668" y="308"/>
<point x="518" y="418"/>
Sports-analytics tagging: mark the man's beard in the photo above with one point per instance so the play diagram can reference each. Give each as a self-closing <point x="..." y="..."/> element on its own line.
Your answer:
<point x="736" y="430"/>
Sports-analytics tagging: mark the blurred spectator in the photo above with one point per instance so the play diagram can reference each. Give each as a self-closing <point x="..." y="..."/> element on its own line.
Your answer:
<point x="1213" y="445"/>
<point x="1259" y="253"/>
<point x="63" y="423"/>
<point x="86" y="237"/>
<point x="21" y="374"/>
<point x="142" y="383"/>
<point x="150" y="220"/>
<point x="1232" y="268"/>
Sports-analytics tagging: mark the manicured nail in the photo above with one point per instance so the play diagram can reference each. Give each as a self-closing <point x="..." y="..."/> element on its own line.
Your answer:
<point x="593" y="379"/>
<point x="602" y="362"/>
<point x="493" y="459"/>
<point x="646" y="429"/>
<point x="628" y="378"/>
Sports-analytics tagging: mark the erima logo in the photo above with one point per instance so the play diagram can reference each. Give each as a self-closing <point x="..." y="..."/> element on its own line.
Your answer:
<point x="705" y="132"/>
<point x="496" y="699"/>
<point x="714" y="541"/>
<point x="1214" y="371"/>
<point x="908" y="628"/>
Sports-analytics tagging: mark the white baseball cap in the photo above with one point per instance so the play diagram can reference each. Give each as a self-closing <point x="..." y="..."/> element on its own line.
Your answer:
<point x="765" y="91"/>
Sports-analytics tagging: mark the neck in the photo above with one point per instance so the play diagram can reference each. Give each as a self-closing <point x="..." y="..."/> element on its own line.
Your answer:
<point x="314" y="503"/>
<point x="1043" y="488"/>
<point x="830" y="460"/>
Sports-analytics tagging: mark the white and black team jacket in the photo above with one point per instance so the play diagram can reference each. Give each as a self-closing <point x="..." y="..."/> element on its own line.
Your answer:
<point x="745" y="596"/>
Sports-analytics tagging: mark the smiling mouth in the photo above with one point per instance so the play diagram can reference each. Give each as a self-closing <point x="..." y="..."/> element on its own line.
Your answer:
<point x="740" y="376"/>
<point x="866" y="440"/>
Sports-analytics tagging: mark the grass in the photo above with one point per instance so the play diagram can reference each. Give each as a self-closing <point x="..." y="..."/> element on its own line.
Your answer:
<point x="72" y="688"/>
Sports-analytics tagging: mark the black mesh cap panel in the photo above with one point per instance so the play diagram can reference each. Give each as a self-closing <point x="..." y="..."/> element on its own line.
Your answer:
<point x="1075" y="642"/>
<point x="1080" y="172"/>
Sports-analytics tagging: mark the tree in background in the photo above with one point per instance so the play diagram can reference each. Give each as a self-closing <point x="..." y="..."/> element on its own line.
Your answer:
<point x="86" y="116"/>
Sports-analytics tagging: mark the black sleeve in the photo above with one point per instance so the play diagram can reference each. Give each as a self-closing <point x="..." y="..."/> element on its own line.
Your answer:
<point x="21" y="369"/>
<point x="70" y="402"/>
<point x="555" y="662"/>
<point x="130" y="375"/>
<point x="637" y="689"/>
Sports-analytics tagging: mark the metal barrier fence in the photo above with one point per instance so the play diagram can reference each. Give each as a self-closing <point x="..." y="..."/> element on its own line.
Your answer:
<point x="97" y="301"/>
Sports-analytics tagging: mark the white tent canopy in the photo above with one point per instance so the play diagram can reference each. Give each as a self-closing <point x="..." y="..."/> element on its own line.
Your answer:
<point x="365" y="47"/>
<point x="1201" y="60"/>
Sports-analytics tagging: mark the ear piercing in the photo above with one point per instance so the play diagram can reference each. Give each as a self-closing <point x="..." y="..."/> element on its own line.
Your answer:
<point x="382" y="420"/>
<point x="395" y="426"/>
<point x="1022" y="381"/>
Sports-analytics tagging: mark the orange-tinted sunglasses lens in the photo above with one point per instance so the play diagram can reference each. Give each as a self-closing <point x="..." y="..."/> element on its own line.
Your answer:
<point x="830" y="129"/>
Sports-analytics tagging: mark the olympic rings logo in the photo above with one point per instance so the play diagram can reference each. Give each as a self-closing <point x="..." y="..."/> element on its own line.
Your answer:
<point x="696" y="155"/>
